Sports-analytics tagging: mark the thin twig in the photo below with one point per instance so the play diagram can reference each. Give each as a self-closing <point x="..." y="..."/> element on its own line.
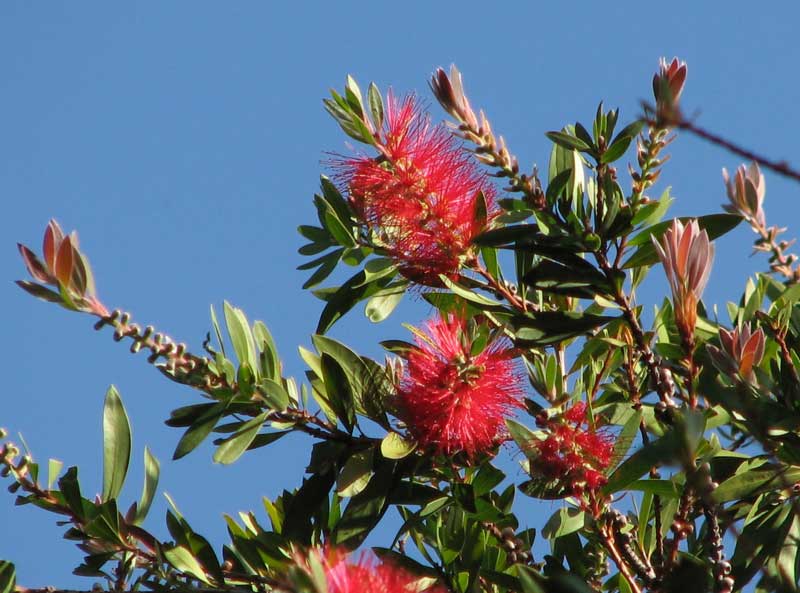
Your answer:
<point x="678" y="121"/>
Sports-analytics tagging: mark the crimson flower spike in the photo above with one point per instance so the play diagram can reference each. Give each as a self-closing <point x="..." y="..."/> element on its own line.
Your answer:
<point x="740" y="351"/>
<point x="343" y="574"/>
<point x="424" y="199"/>
<point x="573" y="453"/>
<point x="687" y="255"/>
<point x="453" y="399"/>
<point x="746" y="192"/>
<point x="64" y="267"/>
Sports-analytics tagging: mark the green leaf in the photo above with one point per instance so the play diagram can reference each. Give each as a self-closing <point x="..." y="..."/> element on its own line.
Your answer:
<point x="152" y="470"/>
<point x="627" y="435"/>
<point x="653" y="212"/>
<point x="53" y="469"/>
<point x="383" y="302"/>
<point x="749" y="482"/>
<point x="355" y="474"/>
<point x="715" y="225"/>
<point x="563" y="522"/>
<point x="274" y="394"/>
<point x="327" y="264"/>
<point x="466" y="294"/>
<point x="507" y="235"/>
<point x="184" y="561"/>
<point x="71" y="491"/>
<point x="116" y="444"/>
<point x="568" y="141"/>
<point x="662" y="488"/>
<point x="616" y="150"/>
<point x="345" y="298"/>
<point x="198" y="431"/>
<point x="394" y="446"/>
<point x="270" y="362"/>
<point x="8" y="577"/>
<point x="241" y="337"/>
<point x="579" y="280"/>
<point x="522" y="435"/>
<point x="232" y="448"/>
<point x="365" y="509"/>
<point x="551" y="327"/>
<point x="334" y="199"/>
<point x="638" y="464"/>
<point x="39" y="291"/>
<point x="375" y="105"/>
<point x="338" y="389"/>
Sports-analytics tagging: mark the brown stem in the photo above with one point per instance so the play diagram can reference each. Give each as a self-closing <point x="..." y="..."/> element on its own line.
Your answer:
<point x="609" y="543"/>
<point x="681" y="526"/>
<point x="658" y="375"/>
<point x="678" y="121"/>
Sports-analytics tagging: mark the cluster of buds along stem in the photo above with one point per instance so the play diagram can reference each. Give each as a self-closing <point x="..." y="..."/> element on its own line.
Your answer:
<point x="668" y="83"/>
<point x="740" y="351"/>
<point x="516" y="549"/>
<point x="64" y="267"/>
<point x="687" y="255"/>
<point x="475" y="128"/>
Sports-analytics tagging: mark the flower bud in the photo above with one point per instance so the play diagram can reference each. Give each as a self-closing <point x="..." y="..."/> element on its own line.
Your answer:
<point x="668" y="85"/>
<point x="746" y="193"/>
<point x="687" y="255"/>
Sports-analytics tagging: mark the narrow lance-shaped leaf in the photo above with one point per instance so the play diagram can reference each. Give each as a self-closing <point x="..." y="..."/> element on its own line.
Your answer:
<point x="152" y="471"/>
<point x="116" y="444"/>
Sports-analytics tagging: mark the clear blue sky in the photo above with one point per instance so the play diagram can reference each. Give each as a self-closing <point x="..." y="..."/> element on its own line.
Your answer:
<point x="183" y="140"/>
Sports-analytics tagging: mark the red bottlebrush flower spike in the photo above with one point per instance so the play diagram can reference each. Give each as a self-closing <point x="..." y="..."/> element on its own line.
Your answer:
<point x="573" y="455"/>
<point x="452" y="399"/>
<point x="687" y="255"/>
<point x="365" y="575"/>
<point x="420" y="200"/>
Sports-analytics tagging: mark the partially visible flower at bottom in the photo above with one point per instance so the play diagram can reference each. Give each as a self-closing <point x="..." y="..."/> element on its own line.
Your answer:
<point x="573" y="455"/>
<point x="453" y="399"/>
<point x="365" y="574"/>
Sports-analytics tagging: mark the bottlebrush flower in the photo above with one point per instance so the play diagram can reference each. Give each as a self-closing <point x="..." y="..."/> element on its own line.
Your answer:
<point x="420" y="200"/>
<point x="573" y="455"/>
<point x="746" y="193"/>
<point x="366" y="575"/>
<point x="455" y="400"/>
<point x="687" y="255"/>
<point x="668" y="85"/>
<point x="741" y="351"/>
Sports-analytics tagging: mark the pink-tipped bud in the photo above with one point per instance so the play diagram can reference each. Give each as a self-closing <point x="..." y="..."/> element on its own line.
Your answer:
<point x="687" y="255"/>
<point x="746" y="193"/>
<point x="740" y="351"/>
<point x="668" y="85"/>
<point x="63" y="266"/>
